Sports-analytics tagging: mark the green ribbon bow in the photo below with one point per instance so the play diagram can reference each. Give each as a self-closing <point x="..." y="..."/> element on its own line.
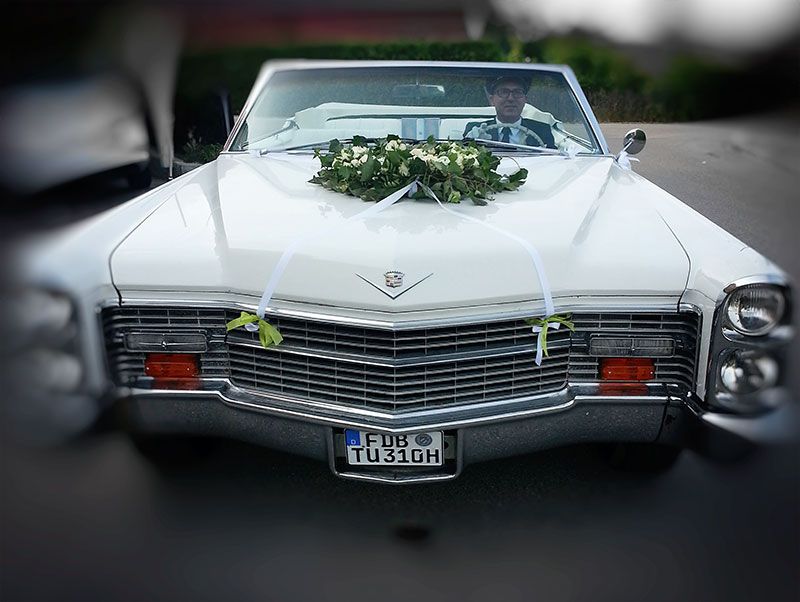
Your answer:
<point x="267" y="333"/>
<point x="540" y="326"/>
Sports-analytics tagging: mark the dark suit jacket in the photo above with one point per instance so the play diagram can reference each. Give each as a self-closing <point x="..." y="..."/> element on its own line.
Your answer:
<point x="542" y="129"/>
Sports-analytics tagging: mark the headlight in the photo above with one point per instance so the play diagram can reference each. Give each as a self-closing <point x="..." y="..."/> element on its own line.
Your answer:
<point x="755" y="310"/>
<point x="37" y="315"/>
<point x="51" y="371"/>
<point x="744" y="372"/>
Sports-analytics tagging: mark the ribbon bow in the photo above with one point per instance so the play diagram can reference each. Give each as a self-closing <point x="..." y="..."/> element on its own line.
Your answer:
<point x="540" y="326"/>
<point x="267" y="333"/>
<point x="624" y="160"/>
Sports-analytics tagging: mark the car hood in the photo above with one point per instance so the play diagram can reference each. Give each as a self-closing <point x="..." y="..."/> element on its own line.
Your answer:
<point x="225" y="227"/>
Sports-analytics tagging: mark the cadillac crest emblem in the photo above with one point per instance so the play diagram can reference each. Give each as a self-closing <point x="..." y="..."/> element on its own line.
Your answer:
<point x="394" y="279"/>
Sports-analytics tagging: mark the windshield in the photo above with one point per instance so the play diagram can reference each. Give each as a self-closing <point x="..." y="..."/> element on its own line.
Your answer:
<point x="516" y="107"/>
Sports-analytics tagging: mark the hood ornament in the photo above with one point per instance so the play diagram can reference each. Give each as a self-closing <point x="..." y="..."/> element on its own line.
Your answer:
<point x="393" y="278"/>
<point x="393" y="282"/>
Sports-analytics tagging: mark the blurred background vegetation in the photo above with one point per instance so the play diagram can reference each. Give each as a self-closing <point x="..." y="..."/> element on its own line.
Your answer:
<point x="688" y="87"/>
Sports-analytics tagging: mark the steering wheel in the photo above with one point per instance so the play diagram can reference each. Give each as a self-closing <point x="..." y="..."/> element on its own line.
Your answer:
<point x="484" y="128"/>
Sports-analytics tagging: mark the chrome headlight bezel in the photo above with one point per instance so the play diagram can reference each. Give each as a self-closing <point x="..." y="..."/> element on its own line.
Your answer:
<point x="733" y="320"/>
<point x="741" y="370"/>
<point x="728" y="341"/>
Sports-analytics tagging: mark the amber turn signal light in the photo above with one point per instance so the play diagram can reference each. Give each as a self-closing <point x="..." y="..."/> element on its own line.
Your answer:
<point x="635" y="369"/>
<point x="171" y="365"/>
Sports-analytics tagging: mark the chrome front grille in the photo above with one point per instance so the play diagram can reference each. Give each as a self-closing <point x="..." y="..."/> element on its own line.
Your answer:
<point x="362" y="384"/>
<point x="396" y="347"/>
<point x="395" y="370"/>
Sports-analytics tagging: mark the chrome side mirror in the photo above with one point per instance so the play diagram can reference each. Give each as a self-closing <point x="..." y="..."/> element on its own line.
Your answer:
<point x="634" y="141"/>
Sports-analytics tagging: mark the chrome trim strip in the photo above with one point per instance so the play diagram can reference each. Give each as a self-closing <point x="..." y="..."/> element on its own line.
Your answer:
<point x="292" y="309"/>
<point x="776" y="279"/>
<point x="588" y="113"/>
<point x="685" y="306"/>
<point x="411" y="361"/>
<point x="399" y="481"/>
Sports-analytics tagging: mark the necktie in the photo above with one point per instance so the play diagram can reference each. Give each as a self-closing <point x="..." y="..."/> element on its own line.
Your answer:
<point x="506" y="135"/>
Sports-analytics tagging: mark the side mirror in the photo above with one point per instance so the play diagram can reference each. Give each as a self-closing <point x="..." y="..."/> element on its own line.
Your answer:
<point x="634" y="141"/>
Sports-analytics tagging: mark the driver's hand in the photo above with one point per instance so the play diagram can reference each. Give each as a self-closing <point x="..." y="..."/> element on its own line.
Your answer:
<point x="475" y="132"/>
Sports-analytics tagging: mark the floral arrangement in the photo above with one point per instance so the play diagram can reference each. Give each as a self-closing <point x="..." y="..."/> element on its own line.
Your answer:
<point x="451" y="170"/>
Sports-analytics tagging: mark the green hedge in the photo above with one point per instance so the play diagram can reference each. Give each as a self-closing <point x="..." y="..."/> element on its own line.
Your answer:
<point x="617" y="90"/>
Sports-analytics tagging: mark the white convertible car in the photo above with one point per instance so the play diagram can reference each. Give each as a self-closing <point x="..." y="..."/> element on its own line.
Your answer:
<point x="406" y="351"/>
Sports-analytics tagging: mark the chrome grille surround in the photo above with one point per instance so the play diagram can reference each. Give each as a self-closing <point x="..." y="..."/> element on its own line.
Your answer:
<point x="395" y="371"/>
<point x="683" y="328"/>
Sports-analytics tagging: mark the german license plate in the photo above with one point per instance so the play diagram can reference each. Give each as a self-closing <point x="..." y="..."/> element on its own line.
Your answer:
<point x="417" y="449"/>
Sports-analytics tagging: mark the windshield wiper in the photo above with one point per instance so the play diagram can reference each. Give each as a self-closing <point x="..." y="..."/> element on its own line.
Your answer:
<point x="291" y="125"/>
<point x="510" y="145"/>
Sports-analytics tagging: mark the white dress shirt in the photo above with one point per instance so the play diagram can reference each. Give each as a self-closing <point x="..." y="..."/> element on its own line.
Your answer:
<point x="517" y="136"/>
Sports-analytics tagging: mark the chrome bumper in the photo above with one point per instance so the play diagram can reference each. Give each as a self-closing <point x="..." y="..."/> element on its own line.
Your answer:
<point x="577" y="414"/>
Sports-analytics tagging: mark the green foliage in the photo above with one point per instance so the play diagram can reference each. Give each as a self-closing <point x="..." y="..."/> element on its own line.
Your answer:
<point x="543" y="324"/>
<point x="194" y="151"/>
<point x="595" y="66"/>
<point x="694" y="89"/>
<point x="268" y="335"/>
<point x="615" y="105"/>
<point x="451" y="171"/>
<point x="615" y="88"/>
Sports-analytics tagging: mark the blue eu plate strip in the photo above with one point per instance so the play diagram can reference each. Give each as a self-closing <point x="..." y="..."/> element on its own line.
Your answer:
<point x="352" y="437"/>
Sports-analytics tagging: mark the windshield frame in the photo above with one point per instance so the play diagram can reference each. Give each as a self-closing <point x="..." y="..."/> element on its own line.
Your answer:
<point x="270" y="68"/>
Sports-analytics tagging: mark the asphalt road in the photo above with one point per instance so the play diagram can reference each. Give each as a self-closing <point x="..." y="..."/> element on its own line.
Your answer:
<point x="92" y="520"/>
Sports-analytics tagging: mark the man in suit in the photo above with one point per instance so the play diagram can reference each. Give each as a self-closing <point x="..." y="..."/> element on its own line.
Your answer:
<point x="508" y="95"/>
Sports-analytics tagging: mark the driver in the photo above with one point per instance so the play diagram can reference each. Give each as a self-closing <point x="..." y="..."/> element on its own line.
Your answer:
<point x="507" y="95"/>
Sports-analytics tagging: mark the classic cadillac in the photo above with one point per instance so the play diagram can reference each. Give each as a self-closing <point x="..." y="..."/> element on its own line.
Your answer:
<point x="402" y="338"/>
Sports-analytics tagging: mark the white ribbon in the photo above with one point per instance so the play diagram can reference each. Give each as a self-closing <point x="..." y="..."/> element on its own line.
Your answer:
<point x="539" y="331"/>
<point x="532" y="252"/>
<point x="289" y="252"/>
<point x="535" y="258"/>
<point x="390" y="200"/>
<point x="624" y="160"/>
